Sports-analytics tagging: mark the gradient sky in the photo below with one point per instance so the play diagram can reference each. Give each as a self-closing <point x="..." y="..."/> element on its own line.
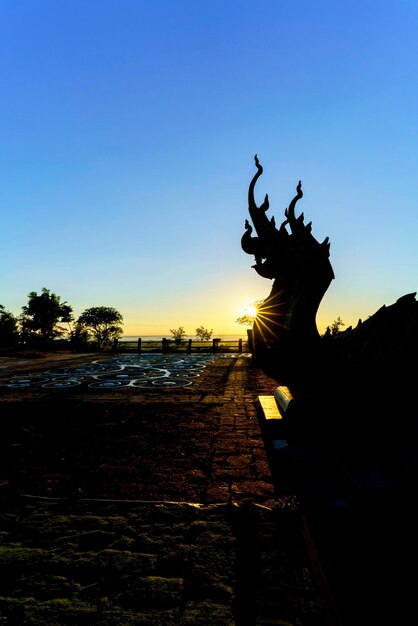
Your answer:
<point x="128" y="131"/>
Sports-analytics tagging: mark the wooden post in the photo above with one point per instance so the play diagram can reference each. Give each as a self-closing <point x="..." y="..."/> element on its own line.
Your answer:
<point x="165" y="345"/>
<point x="240" y="346"/>
<point x="189" y="346"/>
<point x="115" y="345"/>
<point x="139" y="345"/>
<point x="250" y="339"/>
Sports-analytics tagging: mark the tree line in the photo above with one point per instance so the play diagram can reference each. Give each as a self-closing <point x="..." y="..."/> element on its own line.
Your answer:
<point x="45" y="319"/>
<point x="179" y="334"/>
<point x="46" y="322"/>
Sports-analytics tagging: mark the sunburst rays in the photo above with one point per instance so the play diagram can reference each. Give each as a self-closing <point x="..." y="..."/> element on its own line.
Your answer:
<point x="269" y="320"/>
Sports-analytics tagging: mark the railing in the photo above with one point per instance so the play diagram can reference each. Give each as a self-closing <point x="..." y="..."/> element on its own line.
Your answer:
<point x="189" y="346"/>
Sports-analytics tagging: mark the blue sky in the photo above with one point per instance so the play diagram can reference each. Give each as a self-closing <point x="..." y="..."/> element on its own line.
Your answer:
<point x="128" y="131"/>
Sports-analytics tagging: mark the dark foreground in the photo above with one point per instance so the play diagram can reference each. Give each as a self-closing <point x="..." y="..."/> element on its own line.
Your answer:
<point x="173" y="507"/>
<point x="150" y="507"/>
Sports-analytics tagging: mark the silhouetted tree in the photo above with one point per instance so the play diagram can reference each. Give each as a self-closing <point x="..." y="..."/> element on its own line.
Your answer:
<point x="178" y="334"/>
<point x="103" y="322"/>
<point x="42" y="315"/>
<point x="79" y="337"/>
<point x="203" y="334"/>
<point x="9" y="332"/>
<point x="246" y="320"/>
<point x="336" y="325"/>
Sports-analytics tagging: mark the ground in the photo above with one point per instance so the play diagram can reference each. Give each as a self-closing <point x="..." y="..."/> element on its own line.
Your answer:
<point x="149" y="507"/>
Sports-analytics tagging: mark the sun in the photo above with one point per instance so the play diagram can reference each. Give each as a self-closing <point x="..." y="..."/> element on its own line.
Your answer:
<point x="251" y="310"/>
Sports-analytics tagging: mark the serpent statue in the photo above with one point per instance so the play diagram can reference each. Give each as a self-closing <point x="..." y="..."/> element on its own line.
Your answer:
<point x="301" y="272"/>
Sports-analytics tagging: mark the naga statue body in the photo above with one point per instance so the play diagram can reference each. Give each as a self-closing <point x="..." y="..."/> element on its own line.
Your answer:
<point x="301" y="272"/>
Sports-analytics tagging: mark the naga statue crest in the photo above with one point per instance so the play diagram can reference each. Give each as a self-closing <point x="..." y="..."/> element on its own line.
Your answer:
<point x="299" y="267"/>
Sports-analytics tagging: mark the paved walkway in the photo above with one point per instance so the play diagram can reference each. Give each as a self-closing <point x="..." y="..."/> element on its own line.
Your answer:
<point x="200" y="538"/>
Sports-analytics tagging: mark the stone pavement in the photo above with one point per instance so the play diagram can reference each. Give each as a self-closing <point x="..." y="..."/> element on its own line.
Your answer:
<point x="167" y="515"/>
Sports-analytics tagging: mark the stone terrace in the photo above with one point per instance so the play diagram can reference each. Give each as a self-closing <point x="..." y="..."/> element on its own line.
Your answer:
<point x="150" y="507"/>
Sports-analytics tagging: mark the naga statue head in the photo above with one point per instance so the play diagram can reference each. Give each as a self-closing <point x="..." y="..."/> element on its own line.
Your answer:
<point x="297" y="264"/>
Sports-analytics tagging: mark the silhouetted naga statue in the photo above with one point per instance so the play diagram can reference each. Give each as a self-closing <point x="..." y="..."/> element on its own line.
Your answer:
<point x="300" y="268"/>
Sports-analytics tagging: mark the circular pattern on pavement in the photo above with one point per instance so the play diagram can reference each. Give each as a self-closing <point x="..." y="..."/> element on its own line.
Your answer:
<point x="150" y="372"/>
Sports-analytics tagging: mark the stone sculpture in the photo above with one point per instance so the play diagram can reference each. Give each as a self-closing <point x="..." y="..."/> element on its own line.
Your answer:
<point x="301" y="272"/>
